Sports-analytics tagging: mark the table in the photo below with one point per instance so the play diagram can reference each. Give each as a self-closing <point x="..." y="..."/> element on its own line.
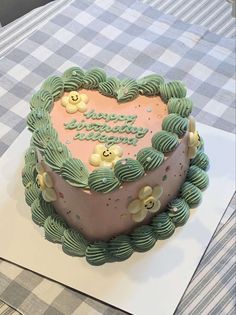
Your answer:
<point x="37" y="51"/>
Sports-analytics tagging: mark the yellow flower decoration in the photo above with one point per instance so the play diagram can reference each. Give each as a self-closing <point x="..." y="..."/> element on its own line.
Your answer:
<point x="193" y="138"/>
<point x="45" y="184"/>
<point x="147" y="201"/>
<point x="105" y="156"/>
<point x="74" y="102"/>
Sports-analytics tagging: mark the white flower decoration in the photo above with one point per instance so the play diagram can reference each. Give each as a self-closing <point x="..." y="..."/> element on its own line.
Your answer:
<point x="74" y="102"/>
<point x="147" y="201"/>
<point x="193" y="138"/>
<point x="45" y="183"/>
<point x="106" y="156"/>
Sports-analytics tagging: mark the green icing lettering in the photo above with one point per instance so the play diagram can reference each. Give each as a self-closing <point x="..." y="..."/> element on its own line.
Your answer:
<point x="110" y="117"/>
<point x="89" y="114"/>
<point x="102" y="138"/>
<point x="115" y="129"/>
<point x="80" y="136"/>
<point x="131" y="118"/>
<point x="124" y="129"/>
<point x="101" y="116"/>
<point x="133" y="141"/>
<point x="80" y="125"/>
<point x="141" y="132"/>
<point x="90" y="136"/>
<point x="122" y="117"/>
<point x="98" y="127"/>
<point x="71" y="125"/>
<point x="110" y="140"/>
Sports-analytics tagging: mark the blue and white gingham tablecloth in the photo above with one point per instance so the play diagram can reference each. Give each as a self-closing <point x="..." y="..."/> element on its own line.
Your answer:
<point x="126" y="38"/>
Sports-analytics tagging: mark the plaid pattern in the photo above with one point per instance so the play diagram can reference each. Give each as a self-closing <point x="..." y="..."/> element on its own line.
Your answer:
<point x="15" y="32"/>
<point x="125" y="38"/>
<point x="215" y="14"/>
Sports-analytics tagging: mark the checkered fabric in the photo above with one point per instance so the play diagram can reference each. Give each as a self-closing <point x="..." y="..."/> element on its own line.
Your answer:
<point x="126" y="38"/>
<point x="15" y="32"/>
<point x="216" y="15"/>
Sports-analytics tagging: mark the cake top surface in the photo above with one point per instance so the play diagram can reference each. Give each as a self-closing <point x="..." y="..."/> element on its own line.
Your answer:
<point x="98" y="132"/>
<point x="129" y="125"/>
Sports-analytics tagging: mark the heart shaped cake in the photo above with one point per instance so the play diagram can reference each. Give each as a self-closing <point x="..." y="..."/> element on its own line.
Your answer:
<point x="113" y="165"/>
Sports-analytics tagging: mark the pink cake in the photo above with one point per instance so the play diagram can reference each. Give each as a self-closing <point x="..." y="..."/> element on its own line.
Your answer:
<point x="114" y="165"/>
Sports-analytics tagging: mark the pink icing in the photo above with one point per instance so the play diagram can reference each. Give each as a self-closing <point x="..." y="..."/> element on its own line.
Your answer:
<point x="150" y="112"/>
<point x="102" y="216"/>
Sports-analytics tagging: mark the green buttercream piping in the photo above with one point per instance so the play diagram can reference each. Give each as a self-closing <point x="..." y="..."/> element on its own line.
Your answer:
<point x="127" y="90"/>
<point x="150" y="84"/>
<point x="41" y="210"/>
<point x="75" y="172"/>
<point x="201" y="160"/>
<point x="97" y="253"/>
<point x="143" y="238"/>
<point x="181" y="106"/>
<point x="176" y="124"/>
<point x="198" y="177"/>
<point x="150" y="158"/>
<point x="74" y="243"/>
<point x="103" y="180"/>
<point x="73" y="79"/>
<point x="93" y="77"/>
<point x="178" y="211"/>
<point x="191" y="194"/>
<point x="42" y="136"/>
<point x="172" y="89"/>
<point x="128" y="170"/>
<point x="31" y="193"/>
<point x="29" y="174"/>
<point x="54" y="85"/>
<point x="109" y="87"/>
<point x="55" y="155"/>
<point x="42" y="99"/>
<point x="31" y="156"/>
<point x="37" y="118"/>
<point x="54" y="227"/>
<point x="162" y="226"/>
<point x="120" y="247"/>
<point x="164" y="141"/>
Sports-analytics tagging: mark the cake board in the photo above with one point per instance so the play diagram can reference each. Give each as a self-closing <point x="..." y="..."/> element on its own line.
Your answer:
<point x="141" y="284"/>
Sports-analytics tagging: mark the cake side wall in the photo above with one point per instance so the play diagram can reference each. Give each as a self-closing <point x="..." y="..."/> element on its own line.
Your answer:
<point x="101" y="216"/>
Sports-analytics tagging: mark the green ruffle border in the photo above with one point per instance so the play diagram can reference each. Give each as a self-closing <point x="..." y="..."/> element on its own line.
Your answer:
<point x="121" y="247"/>
<point x="58" y="157"/>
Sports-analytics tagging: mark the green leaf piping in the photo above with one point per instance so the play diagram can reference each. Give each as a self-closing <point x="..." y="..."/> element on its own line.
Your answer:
<point x="55" y="155"/>
<point x="175" y="124"/>
<point x="150" y="158"/>
<point x="128" y="170"/>
<point x="75" y="172"/>
<point x="150" y="85"/>
<point x="103" y="179"/>
<point x="93" y="78"/>
<point x="54" y="85"/>
<point x="73" y="79"/>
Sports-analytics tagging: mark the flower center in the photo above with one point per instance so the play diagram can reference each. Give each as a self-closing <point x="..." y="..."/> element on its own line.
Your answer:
<point x="74" y="97"/>
<point x="149" y="203"/>
<point x="40" y="182"/>
<point x="108" y="155"/>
